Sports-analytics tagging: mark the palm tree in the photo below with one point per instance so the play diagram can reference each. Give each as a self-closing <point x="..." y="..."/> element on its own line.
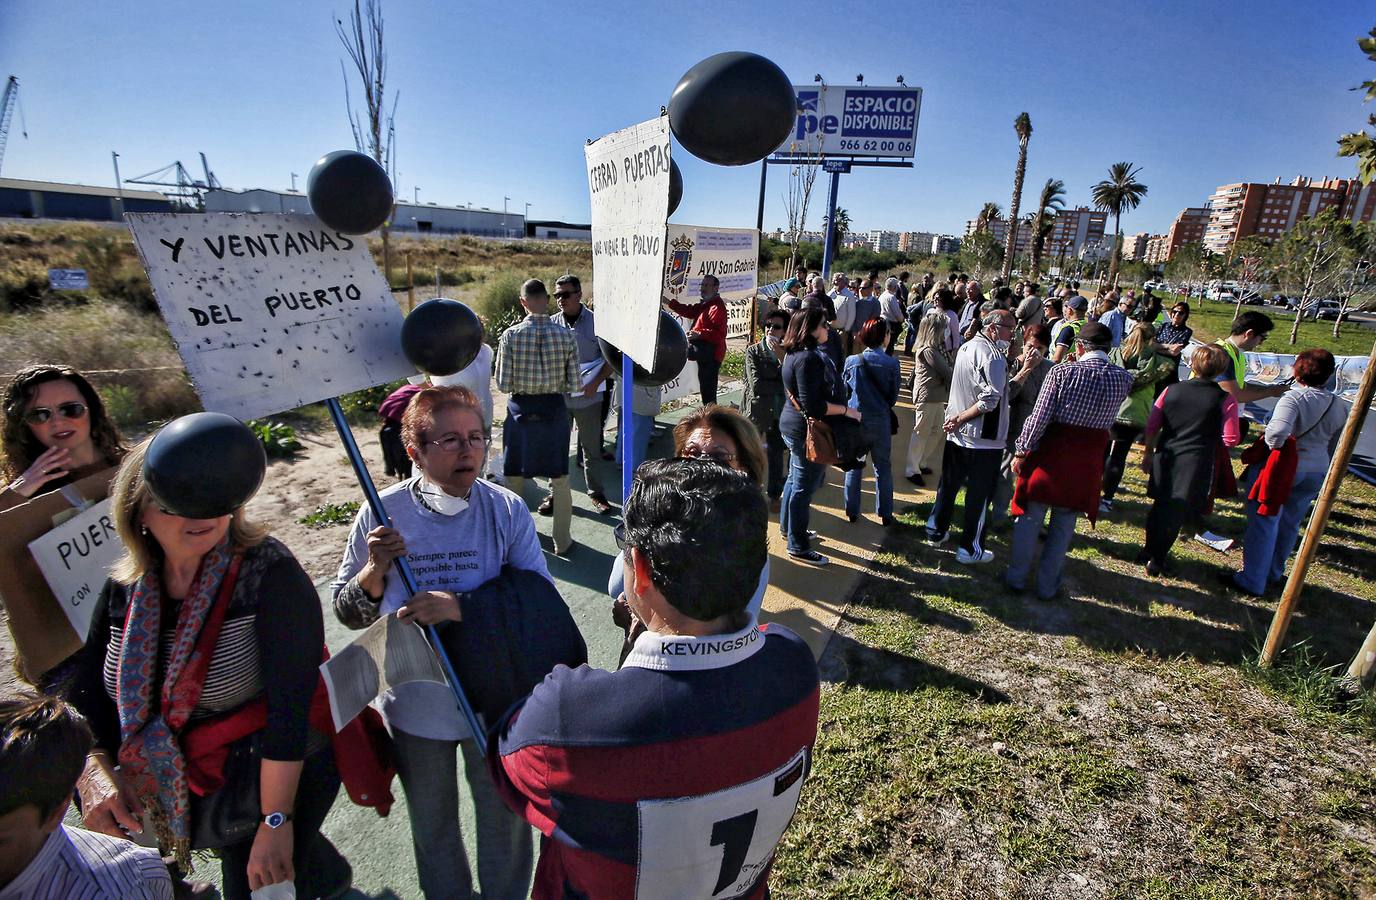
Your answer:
<point x="1049" y="206"/>
<point x="1120" y="192"/>
<point x="990" y="212"/>
<point x="840" y="226"/>
<point x="1023" y="126"/>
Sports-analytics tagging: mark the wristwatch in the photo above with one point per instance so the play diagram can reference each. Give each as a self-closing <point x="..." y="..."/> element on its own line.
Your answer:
<point x="276" y="819"/>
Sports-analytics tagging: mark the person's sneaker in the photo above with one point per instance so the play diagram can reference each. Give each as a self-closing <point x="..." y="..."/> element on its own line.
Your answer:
<point x="917" y="480"/>
<point x="1105" y="506"/>
<point x="546" y="507"/>
<point x="936" y="540"/>
<point x="974" y="559"/>
<point x="810" y="557"/>
<point x="599" y="503"/>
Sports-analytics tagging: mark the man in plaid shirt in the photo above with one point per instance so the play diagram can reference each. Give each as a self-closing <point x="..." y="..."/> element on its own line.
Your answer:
<point x="1059" y="459"/>
<point x="537" y="366"/>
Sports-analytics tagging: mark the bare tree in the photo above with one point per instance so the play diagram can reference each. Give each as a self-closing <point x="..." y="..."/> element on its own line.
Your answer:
<point x="807" y="155"/>
<point x="374" y="129"/>
<point x="1310" y="259"/>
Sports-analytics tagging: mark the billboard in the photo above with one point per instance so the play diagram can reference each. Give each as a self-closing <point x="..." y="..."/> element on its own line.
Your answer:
<point x="854" y="121"/>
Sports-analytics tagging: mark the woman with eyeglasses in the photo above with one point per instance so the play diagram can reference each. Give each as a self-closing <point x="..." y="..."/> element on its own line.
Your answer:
<point x="56" y="432"/>
<point x="1171" y="339"/>
<point x="722" y="435"/>
<point x="458" y="531"/>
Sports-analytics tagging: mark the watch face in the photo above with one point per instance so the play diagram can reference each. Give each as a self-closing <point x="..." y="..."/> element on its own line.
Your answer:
<point x="274" y="820"/>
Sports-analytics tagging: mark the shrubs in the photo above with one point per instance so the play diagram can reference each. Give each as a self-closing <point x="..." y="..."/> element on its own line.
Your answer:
<point x="278" y="439"/>
<point x="149" y="385"/>
<point x="498" y="302"/>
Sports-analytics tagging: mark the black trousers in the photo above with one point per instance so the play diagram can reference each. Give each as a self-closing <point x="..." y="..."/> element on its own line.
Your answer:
<point x="976" y="471"/>
<point x="1124" y="436"/>
<point x="394" y="457"/>
<point x="317" y="863"/>
<point x="708" y="371"/>
<point x="777" y="455"/>
<point x="1167" y="517"/>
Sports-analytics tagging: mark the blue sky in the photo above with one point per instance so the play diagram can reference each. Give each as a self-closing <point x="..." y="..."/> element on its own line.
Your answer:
<point x="496" y="100"/>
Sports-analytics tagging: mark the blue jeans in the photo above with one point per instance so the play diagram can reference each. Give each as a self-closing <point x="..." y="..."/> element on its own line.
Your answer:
<point x="881" y="446"/>
<point x="804" y="478"/>
<point x="1269" y="540"/>
<point x="1025" y="534"/>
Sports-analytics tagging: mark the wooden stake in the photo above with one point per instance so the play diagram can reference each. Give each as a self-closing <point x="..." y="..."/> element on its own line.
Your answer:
<point x="1280" y="623"/>
<point x="410" y="284"/>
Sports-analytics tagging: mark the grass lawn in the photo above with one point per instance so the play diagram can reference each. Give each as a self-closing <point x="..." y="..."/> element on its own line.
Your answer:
<point x="1117" y="743"/>
<point x="1212" y="321"/>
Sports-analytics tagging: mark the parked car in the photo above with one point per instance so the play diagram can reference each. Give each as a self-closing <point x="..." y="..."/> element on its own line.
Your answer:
<point x="1252" y="298"/>
<point x="1225" y="297"/>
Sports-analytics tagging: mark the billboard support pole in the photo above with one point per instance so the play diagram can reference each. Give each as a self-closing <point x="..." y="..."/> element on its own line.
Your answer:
<point x="831" y="226"/>
<point x="628" y="460"/>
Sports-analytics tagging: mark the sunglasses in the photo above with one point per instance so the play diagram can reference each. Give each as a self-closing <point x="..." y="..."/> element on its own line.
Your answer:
<point x="560" y="295"/>
<point x="776" y="327"/>
<point x="40" y="414"/>
<point x="725" y="457"/>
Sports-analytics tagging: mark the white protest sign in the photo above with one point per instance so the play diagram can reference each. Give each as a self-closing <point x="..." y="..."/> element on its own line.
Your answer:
<point x="628" y="175"/>
<point x="75" y="558"/>
<point x="732" y="255"/>
<point x="270" y="312"/>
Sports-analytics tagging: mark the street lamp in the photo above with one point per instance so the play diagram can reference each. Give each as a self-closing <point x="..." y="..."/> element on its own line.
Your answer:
<point x="506" y="232"/>
<point x="525" y="222"/>
<point x="415" y="195"/>
<point x="119" y="191"/>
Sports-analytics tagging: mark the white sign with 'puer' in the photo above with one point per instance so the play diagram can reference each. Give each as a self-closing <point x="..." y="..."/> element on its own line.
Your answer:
<point x="75" y="559"/>
<point x="270" y="312"/>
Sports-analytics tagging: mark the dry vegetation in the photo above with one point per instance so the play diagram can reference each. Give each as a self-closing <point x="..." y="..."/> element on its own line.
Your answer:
<point x="113" y="330"/>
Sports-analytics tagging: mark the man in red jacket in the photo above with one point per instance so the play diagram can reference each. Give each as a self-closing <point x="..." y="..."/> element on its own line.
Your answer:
<point x="707" y="336"/>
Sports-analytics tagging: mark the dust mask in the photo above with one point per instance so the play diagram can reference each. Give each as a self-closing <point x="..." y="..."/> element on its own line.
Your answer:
<point x="438" y="499"/>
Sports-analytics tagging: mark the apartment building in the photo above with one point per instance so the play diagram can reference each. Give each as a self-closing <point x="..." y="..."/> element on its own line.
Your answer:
<point x="1271" y="210"/>
<point x="1072" y="230"/>
<point x="1135" y="245"/>
<point x="879" y="241"/>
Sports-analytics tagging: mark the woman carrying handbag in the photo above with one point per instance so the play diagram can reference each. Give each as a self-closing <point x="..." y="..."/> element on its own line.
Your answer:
<point x="815" y="390"/>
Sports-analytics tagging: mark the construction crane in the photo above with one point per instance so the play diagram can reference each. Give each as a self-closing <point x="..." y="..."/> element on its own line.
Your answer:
<point x="186" y="190"/>
<point x="9" y="101"/>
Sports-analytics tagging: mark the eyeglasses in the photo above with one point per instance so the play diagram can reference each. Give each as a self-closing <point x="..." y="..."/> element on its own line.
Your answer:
<point x="725" y="457"/>
<point x="1177" y="312"/>
<point x="40" y="414"/>
<point x="776" y="327"/>
<point x="453" y="443"/>
<point x="560" y="295"/>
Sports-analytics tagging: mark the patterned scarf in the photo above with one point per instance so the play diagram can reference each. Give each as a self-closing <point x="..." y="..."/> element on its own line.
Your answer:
<point x="150" y="754"/>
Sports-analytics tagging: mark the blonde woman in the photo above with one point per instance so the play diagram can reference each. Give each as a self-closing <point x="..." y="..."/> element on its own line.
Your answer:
<point x="931" y="389"/>
<point x="205" y="628"/>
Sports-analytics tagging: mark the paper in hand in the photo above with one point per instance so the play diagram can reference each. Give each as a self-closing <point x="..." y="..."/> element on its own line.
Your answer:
<point x="388" y="653"/>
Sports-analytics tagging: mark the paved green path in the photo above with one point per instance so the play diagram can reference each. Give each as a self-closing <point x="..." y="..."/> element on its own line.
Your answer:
<point x="380" y="849"/>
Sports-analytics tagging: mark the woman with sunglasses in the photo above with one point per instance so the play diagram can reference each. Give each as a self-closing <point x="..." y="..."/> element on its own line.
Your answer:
<point x="1172" y="338"/>
<point x="458" y="531"/>
<point x="56" y="432"/>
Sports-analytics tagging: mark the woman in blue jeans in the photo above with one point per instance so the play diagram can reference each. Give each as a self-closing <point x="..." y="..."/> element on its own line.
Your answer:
<point x="1314" y="417"/>
<point x="872" y="377"/>
<point x="813" y="390"/>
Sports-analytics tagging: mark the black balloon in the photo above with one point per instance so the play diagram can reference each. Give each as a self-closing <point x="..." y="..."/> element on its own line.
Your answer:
<point x="441" y="336"/>
<point x="204" y="465"/>
<point x="733" y="109"/>
<point x="675" y="186"/>
<point x="671" y="354"/>
<point x="350" y="192"/>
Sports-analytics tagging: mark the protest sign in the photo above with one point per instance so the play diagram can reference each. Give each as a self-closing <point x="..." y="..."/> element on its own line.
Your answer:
<point x="732" y="255"/>
<point x="270" y="312"/>
<point x="42" y="633"/>
<point x="75" y="558"/>
<point x="628" y="176"/>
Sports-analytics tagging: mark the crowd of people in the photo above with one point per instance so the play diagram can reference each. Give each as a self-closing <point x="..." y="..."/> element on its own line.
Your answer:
<point x="195" y="717"/>
<point x="1027" y="407"/>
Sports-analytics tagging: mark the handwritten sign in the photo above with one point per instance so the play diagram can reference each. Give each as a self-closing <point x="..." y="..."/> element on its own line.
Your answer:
<point x="75" y="558"/>
<point x="270" y="312"/>
<point x="628" y="176"/>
